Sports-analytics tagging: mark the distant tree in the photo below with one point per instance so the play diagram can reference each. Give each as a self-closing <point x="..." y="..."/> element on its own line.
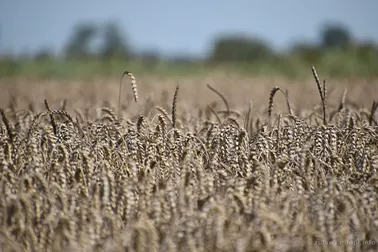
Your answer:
<point x="335" y="36"/>
<point x="43" y="54"/>
<point x="240" y="48"/>
<point x="114" y="45"/>
<point x="308" y="52"/>
<point x="79" y="42"/>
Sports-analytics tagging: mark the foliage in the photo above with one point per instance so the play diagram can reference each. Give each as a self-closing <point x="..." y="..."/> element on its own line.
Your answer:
<point x="10" y="67"/>
<point x="309" y="53"/>
<point x="336" y="55"/>
<point x="240" y="48"/>
<point x="335" y="36"/>
<point x="79" y="42"/>
<point x="113" y="45"/>
<point x="44" y="54"/>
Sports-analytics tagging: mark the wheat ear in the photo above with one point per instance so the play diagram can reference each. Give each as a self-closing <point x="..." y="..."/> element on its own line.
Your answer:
<point x="322" y="93"/>
<point x="133" y="86"/>
<point x="325" y="102"/>
<point x="271" y="100"/>
<point x="7" y="126"/>
<point x="174" y="106"/>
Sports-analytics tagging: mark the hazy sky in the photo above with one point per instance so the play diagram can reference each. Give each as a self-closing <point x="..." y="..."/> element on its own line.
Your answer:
<point x="174" y="26"/>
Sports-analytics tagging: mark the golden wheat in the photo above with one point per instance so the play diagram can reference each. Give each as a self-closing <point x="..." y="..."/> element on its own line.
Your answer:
<point x="246" y="182"/>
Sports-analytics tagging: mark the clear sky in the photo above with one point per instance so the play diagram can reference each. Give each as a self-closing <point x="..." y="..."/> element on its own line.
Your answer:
<point x="174" y="26"/>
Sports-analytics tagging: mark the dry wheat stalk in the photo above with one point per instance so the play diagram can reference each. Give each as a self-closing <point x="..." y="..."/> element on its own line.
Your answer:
<point x="222" y="97"/>
<point x="322" y="93"/>
<point x="141" y="185"/>
<point x="133" y="86"/>
<point x="271" y="100"/>
<point x="174" y="106"/>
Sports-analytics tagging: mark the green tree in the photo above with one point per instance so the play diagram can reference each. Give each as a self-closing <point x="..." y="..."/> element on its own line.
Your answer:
<point x="335" y="36"/>
<point x="240" y="48"/>
<point x="307" y="52"/>
<point x="114" y="42"/>
<point x="44" y="54"/>
<point x="79" y="42"/>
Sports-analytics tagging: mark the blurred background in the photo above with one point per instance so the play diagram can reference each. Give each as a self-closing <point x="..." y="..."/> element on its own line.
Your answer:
<point x="88" y="38"/>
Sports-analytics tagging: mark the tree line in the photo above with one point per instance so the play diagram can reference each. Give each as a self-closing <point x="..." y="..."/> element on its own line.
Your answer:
<point x="108" y="42"/>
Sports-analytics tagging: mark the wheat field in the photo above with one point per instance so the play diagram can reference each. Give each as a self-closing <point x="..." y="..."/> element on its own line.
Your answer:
<point x="220" y="163"/>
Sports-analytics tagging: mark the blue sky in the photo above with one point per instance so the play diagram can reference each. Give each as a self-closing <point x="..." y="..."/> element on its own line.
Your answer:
<point x="174" y="26"/>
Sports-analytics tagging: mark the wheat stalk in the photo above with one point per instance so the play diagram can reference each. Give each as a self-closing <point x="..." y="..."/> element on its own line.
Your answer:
<point x="322" y="93"/>
<point x="222" y="97"/>
<point x="7" y="126"/>
<point x="374" y="107"/>
<point x="199" y="185"/>
<point x="133" y="86"/>
<point x="53" y="124"/>
<point x="174" y="106"/>
<point x="271" y="100"/>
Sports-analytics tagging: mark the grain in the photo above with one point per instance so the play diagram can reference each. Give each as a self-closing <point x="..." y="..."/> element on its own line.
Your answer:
<point x="247" y="181"/>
